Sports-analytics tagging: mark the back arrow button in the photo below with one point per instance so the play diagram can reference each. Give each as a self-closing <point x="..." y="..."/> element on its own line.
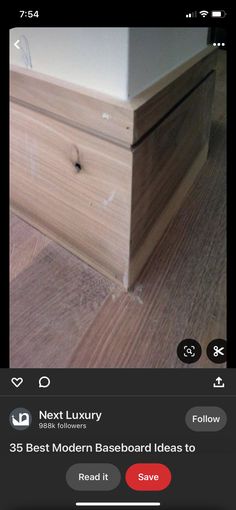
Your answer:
<point x="16" y="44"/>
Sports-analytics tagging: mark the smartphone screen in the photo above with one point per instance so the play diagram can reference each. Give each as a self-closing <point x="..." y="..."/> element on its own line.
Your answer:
<point x="117" y="256"/>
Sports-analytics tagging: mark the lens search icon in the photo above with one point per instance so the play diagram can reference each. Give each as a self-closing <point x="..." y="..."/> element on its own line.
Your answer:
<point x="44" y="382"/>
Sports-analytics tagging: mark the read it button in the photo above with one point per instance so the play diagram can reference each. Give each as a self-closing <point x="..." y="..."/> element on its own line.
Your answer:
<point x="148" y="477"/>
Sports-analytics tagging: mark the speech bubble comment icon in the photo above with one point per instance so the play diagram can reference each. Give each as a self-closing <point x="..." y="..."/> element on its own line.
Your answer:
<point x="44" y="382"/>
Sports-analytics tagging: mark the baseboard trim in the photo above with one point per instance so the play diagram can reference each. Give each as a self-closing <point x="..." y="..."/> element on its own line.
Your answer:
<point x="121" y="122"/>
<point x="138" y="261"/>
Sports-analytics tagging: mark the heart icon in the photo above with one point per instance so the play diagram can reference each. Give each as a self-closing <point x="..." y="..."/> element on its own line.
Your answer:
<point x="17" y="381"/>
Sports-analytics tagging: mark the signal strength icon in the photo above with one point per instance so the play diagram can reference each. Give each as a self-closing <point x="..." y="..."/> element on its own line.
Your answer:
<point x="204" y="13"/>
<point x="191" y="14"/>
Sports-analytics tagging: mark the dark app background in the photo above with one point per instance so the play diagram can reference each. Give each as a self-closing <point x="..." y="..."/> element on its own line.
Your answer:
<point x="203" y="479"/>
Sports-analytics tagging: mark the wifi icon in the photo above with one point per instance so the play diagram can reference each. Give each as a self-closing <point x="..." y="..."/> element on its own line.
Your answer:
<point x="204" y="13"/>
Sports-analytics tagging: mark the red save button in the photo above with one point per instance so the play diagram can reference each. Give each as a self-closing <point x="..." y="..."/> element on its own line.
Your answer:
<point x="148" y="477"/>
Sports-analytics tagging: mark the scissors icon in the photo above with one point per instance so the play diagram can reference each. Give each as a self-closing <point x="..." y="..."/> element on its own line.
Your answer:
<point x="218" y="351"/>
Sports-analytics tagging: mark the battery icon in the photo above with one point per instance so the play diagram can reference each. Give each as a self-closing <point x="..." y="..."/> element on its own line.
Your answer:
<point x="218" y="14"/>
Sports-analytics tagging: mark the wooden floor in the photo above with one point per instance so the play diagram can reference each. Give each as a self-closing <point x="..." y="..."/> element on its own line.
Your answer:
<point x="65" y="314"/>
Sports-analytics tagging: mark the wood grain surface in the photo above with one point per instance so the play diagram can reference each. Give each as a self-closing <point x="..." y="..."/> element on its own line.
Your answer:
<point x="106" y="212"/>
<point x="53" y="301"/>
<point x="87" y="211"/>
<point x="78" y="106"/>
<point x="123" y="122"/>
<point x="176" y="149"/>
<point x="65" y="314"/>
<point x="152" y="104"/>
<point x="180" y="294"/>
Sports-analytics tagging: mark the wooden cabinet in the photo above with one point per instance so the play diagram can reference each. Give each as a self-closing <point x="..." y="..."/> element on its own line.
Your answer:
<point x="104" y="185"/>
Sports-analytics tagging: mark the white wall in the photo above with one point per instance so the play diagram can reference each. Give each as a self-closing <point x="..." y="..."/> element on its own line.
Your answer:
<point x="120" y="62"/>
<point x="155" y="51"/>
<point x="96" y="58"/>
